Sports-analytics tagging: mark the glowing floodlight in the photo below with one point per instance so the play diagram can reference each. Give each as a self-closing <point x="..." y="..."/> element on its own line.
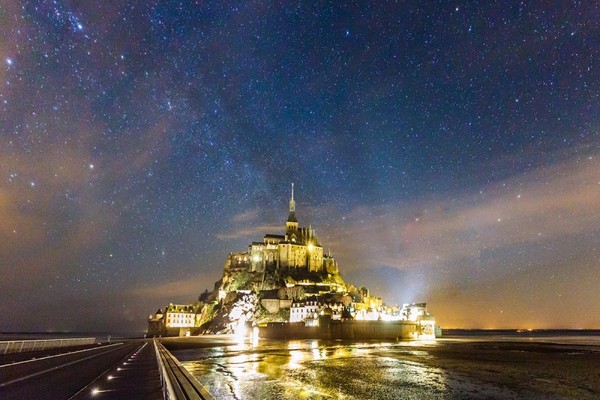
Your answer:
<point x="241" y="331"/>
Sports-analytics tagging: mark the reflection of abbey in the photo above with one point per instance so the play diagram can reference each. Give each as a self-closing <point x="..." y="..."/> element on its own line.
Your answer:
<point x="298" y="249"/>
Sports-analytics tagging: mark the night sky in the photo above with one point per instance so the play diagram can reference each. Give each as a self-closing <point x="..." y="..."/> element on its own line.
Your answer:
<point x="445" y="152"/>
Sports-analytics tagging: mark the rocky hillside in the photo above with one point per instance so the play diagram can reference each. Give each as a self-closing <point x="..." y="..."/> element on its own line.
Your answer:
<point x="241" y="293"/>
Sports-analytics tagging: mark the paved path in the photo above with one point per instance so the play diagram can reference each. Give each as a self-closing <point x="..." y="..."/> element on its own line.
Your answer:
<point x="118" y="371"/>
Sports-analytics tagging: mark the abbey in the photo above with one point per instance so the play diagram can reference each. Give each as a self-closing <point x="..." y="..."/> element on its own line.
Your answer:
<point x="298" y="249"/>
<point x="287" y="287"/>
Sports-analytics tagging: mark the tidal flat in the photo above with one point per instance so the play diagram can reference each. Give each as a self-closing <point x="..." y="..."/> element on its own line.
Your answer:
<point x="450" y="368"/>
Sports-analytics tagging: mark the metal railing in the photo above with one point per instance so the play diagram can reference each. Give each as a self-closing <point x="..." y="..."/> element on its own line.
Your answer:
<point x="19" y="346"/>
<point x="177" y="382"/>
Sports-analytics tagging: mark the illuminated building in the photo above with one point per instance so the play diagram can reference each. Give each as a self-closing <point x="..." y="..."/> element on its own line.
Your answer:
<point x="301" y="310"/>
<point x="177" y="319"/>
<point x="413" y="311"/>
<point x="156" y="323"/>
<point x="311" y="308"/>
<point x="299" y="249"/>
<point x="180" y="316"/>
<point x="288" y="280"/>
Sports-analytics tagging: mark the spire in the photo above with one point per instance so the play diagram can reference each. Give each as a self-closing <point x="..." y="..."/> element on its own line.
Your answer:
<point x="292" y="215"/>
<point x="292" y="202"/>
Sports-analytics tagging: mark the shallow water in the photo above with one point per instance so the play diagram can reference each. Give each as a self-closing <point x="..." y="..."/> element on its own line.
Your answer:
<point x="318" y="369"/>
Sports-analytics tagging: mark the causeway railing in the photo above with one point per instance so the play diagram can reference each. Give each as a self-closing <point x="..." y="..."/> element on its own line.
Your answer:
<point x="177" y="382"/>
<point x="19" y="346"/>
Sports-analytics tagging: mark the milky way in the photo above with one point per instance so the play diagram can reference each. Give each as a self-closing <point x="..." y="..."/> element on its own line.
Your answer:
<point x="444" y="152"/>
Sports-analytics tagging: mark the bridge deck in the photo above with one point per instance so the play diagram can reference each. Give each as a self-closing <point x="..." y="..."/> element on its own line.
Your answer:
<point x="135" y="377"/>
<point x="118" y="371"/>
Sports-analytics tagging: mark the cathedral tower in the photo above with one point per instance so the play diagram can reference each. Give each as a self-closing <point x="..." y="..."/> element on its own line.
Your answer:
<point x="291" y="225"/>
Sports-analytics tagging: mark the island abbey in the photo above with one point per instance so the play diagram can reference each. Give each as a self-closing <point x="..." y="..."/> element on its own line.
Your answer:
<point x="298" y="249"/>
<point x="286" y="286"/>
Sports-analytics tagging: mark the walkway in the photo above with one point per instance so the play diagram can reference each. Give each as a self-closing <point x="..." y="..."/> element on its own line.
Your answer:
<point x="117" y="371"/>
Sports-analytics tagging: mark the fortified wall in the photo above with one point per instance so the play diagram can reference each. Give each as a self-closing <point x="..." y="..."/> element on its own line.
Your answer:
<point x="350" y="329"/>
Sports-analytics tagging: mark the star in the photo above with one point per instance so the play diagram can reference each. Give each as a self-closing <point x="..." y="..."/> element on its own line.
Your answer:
<point x="404" y="145"/>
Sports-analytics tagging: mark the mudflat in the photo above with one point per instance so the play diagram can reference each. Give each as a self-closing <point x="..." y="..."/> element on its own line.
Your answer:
<point x="451" y="368"/>
<point x="514" y="369"/>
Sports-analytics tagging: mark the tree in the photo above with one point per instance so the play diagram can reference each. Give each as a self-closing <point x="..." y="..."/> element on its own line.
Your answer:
<point x="204" y="296"/>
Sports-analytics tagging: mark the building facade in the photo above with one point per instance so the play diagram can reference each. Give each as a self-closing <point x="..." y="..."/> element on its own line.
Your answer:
<point x="310" y="309"/>
<point x="176" y="320"/>
<point x="298" y="248"/>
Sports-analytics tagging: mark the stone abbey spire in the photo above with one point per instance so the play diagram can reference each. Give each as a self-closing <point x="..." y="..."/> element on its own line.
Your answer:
<point x="292" y="215"/>
<point x="297" y="251"/>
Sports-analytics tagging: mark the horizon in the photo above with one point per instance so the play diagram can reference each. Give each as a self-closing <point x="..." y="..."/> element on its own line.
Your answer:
<point x="515" y="330"/>
<point x="446" y="154"/>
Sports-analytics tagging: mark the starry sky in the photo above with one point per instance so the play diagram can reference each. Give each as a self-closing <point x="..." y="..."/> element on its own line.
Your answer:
<point x="444" y="152"/>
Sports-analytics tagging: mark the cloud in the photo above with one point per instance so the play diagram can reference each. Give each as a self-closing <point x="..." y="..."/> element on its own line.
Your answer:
<point x="251" y="233"/>
<point x="49" y="214"/>
<point x="65" y="195"/>
<point x="246" y="216"/>
<point x="502" y="244"/>
<point x="185" y="289"/>
<point x="551" y="202"/>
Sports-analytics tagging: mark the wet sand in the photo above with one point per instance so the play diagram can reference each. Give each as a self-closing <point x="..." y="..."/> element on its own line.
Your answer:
<point x="519" y="369"/>
<point x="442" y="369"/>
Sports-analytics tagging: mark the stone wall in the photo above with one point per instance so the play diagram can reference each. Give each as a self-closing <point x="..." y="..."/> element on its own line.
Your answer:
<point x="274" y="305"/>
<point x="347" y="329"/>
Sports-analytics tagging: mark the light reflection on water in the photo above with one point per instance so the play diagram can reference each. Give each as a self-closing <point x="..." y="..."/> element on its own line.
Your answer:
<point x="316" y="369"/>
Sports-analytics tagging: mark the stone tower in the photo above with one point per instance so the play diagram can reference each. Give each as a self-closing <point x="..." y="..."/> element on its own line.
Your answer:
<point x="291" y="225"/>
